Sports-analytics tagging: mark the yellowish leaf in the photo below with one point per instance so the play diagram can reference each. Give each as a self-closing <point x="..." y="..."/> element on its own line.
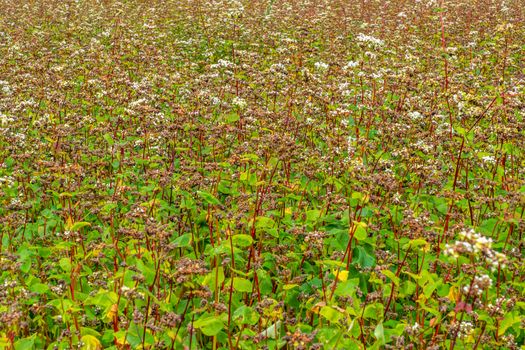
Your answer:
<point x="343" y="275"/>
<point x="112" y="312"/>
<point x="90" y="342"/>
<point x="453" y="294"/>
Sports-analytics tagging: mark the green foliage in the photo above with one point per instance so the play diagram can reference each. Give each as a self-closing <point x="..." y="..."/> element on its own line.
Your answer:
<point x="261" y="175"/>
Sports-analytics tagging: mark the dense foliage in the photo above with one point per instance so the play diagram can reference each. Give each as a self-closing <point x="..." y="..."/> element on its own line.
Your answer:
<point x="262" y="174"/>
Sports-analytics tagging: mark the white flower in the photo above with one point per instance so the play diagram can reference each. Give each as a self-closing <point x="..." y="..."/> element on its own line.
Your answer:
<point x="474" y="243"/>
<point x="5" y="120"/>
<point x="368" y="39"/>
<point x="415" y="115"/>
<point x="489" y="159"/>
<point x="465" y="328"/>
<point x="278" y="67"/>
<point x="321" y="66"/>
<point x="237" y="9"/>
<point x="223" y="64"/>
<point x="239" y="102"/>
<point x="370" y="55"/>
<point x="350" y="65"/>
<point x="5" y="87"/>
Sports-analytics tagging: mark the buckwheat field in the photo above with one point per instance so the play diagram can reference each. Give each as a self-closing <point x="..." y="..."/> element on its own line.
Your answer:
<point x="262" y="174"/>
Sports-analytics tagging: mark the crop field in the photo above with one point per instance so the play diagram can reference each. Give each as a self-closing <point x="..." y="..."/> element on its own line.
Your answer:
<point x="262" y="174"/>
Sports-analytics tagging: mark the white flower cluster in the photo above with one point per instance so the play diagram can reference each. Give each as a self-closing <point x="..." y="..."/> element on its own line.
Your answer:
<point x="413" y="329"/>
<point x="489" y="160"/>
<point x="465" y="328"/>
<point x="368" y="39"/>
<point x="7" y="181"/>
<point x="473" y="243"/>
<point x="350" y="65"/>
<point x="66" y="234"/>
<point x="239" y="102"/>
<point x="5" y="120"/>
<point x="351" y="145"/>
<point x="497" y="307"/>
<point x="321" y="66"/>
<point x="5" y="87"/>
<point x="278" y="68"/>
<point x="479" y="284"/>
<point x="139" y="102"/>
<point x="345" y="89"/>
<point x="236" y="9"/>
<point x="215" y="100"/>
<point x="415" y="115"/>
<point x="223" y="64"/>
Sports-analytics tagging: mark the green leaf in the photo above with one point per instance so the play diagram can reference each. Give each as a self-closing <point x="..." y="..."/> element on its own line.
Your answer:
<point x="415" y="243"/>
<point x="487" y="227"/>
<point x="214" y="278"/>
<point x="407" y="288"/>
<point x="429" y="289"/>
<point x="363" y="256"/>
<point x="109" y="207"/>
<point x="210" y="326"/>
<point x="44" y="252"/>
<point x="4" y="343"/>
<point x="290" y="286"/>
<point x="135" y="336"/>
<point x="264" y="222"/>
<point x="182" y="241"/>
<point x="347" y="288"/>
<point x="391" y="275"/>
<point x="25" y="343"/>
<point x="374" y="311"/>
<point x="103" y="298"/>
<point x="509" y="320"/>
<point x="333" y="263"/>
<point x="26" y="265"/>
<point x="271" y="331"/>
<point x="78" y="225"/>
<point x="109" y="139"/>
<point x="208" y="198"/>
<point x="90" y="342"/>
<point x="245" y="315"/>
<point x="148" y="272"/>
<point x="39" y="288"/>
<point x="226" y="187"/>
<point x="379" y="333"/>
<point x="242" y="240"/>
<point x="231" y="117"/>
<point x="89" y="331"/>
<point x="313" y="215"/>
<point x="360" y="233"/>
<point x="65" y="264"/>
<point x="331" y="314"/>
<point x="242" y="284"/>
<point x="267" y="225"/>
<point x="413" y="275"/>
